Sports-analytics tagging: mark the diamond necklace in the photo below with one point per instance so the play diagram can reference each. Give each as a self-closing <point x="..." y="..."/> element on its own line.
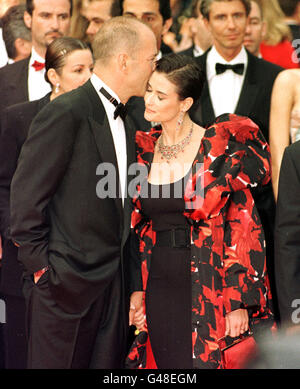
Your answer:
<point x="169" y="152"/>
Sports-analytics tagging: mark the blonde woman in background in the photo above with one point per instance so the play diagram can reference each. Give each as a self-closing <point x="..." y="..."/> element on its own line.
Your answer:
<point x="284" y="118"/>
<point x="79" y="23"/>
<point x="277" y="46"/>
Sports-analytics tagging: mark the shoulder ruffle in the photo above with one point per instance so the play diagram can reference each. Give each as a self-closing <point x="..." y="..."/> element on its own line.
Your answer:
<point x="236" y="149"/>
<point x="145" y="142"/>
<point x="233" y="156"/>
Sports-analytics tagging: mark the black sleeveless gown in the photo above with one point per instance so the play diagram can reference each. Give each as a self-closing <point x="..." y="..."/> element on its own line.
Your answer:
<point x="168" y="294"/>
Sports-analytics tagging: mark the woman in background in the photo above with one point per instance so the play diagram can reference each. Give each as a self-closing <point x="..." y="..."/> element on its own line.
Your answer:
<point x="277" y="46"/>
<point x="284" y="118"/>
<point x="69" y="64"/>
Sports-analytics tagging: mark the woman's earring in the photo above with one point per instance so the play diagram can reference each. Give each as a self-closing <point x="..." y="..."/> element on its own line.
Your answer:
<point x="57" y="86"/>
<point x="180" y="120"/>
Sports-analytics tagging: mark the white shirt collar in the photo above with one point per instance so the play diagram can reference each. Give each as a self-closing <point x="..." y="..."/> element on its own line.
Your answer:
<point x="37" y="85"/>
<point x="35" y="57"/>
<point x="214" y="57"/>
<point x="159" y="55"/>
<point x="117" y="129"/>
<point x="98" y="84"/>
<point x="197" y="51"/>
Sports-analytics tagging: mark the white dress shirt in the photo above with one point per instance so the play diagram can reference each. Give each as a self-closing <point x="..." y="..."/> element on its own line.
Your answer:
<point x="117" y="129"/>
<point x="225" y="88"/>
<point x="37" y="85"/>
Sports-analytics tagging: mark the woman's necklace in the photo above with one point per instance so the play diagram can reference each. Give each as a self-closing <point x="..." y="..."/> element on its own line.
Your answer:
<point x="169" y="152"/>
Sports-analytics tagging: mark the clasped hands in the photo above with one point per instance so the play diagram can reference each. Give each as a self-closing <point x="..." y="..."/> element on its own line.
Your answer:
<point x="136" y="312"/>
<point x="236" y="322"/>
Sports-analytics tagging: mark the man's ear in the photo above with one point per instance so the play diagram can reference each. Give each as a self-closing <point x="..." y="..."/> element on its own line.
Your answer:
<point x="167" y="25"/>
<point x="27" y="19"/>
<point x="122" y="62"/>
<point x="23" y="47"/>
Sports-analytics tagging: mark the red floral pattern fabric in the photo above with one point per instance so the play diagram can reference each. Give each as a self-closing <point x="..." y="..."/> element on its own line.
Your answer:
<point x="228" y="266"/>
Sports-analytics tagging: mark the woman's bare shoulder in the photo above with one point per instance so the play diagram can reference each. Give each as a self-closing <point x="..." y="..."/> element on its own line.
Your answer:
<point x="289" y="78"/>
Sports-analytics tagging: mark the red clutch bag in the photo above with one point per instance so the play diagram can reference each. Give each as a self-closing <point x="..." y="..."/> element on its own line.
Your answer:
<point x="237" y="354"/>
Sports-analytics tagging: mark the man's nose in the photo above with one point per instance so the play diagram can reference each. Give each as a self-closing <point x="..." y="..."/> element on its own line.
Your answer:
<point x="231" y="22"/>
<point x="55" y="23"/>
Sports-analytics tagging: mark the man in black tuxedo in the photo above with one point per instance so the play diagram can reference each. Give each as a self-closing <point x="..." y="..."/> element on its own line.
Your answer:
<point x="24" y="80"/>
<point x="71" y="217"/>
<point x="287" y="243"/>
<point x="247" y="93"/>
<point x="241" y="83"/>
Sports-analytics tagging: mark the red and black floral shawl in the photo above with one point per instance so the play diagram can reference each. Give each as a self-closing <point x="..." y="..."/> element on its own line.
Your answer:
<point x="228" y="266"/>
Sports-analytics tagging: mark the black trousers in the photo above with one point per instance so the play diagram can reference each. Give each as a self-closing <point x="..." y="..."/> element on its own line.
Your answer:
<point x="60" y="340"/>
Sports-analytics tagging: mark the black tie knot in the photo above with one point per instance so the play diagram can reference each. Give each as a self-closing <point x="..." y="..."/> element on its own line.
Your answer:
<point x="237" y="68"/>
<point x="121" y="109"/>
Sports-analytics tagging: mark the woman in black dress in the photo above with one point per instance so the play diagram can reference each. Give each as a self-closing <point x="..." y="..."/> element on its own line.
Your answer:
<point x="201" y="243"/>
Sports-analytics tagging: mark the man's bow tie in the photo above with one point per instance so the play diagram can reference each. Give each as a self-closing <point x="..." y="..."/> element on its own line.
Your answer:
<point x="38" y="65"/>
<point x="238" y="68"/>
<point x="121" y="109"/>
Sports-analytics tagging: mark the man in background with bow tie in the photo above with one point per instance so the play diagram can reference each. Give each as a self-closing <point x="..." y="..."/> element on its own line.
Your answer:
<point x="70" y="215"/>
<point x="238" y="82"/>
<point x="24" y="80"/>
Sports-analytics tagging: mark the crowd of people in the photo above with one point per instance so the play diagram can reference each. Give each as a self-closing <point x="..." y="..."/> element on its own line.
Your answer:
<point x="149" y="180"/>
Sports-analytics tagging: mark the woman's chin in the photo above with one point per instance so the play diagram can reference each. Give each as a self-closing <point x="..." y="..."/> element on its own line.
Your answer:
<point x="147" y="117"/>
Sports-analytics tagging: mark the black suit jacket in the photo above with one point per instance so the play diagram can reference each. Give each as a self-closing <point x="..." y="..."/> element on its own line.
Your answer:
<point x="287" y="233"/>
<point x="14" y="83"/>
<point x="255" y="97"/>
<point x="136" y="110"/>
<point x="188" y="52"/>
<point x="15" y="125"/>
<point x="56" y="215"/>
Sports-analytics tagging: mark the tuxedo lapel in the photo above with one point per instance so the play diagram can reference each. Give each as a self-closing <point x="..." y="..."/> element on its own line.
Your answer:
<point x="103" y="136"/>
<point x="131" y="159"/>
<point x="207" y="110"/>
<point x="249" y="90"/>
<point x="130" y="141"/>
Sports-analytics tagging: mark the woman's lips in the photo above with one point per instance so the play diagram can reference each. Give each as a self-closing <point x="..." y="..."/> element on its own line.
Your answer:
<point x="149" y="110"/>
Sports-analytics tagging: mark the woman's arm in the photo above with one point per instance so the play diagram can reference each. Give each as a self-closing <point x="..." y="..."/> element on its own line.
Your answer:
<point x="245" y="283"/>
<point x="282" y="102"/>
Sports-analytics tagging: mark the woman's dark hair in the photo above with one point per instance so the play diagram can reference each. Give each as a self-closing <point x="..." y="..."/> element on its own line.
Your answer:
<point x="184" y="73"/>
<point x="58" y="50"/>
<point x="164" y="8"/>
